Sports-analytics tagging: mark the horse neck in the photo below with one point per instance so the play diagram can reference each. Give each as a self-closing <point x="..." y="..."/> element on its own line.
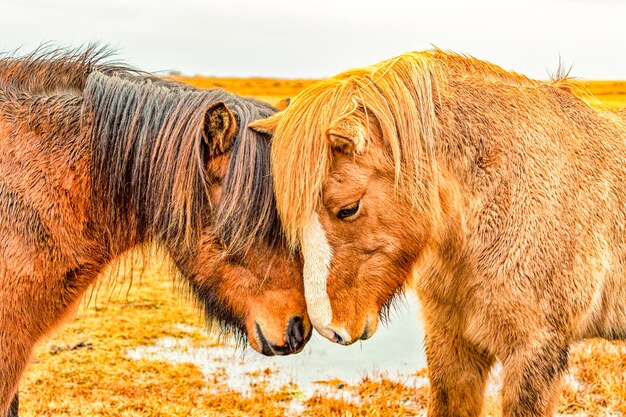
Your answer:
<point x="52" y="123"/>
<point x="472" y="151"/>
<point x="50" y="133"/>
<point x="478" y="131"/>
<point x="45" y="171"/>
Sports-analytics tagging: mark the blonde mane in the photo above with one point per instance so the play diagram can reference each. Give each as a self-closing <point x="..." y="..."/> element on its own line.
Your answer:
<point x="402" y="93"/>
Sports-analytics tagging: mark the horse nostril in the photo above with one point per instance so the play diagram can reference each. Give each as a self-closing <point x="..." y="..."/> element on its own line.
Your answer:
<point x="295" y="332"/>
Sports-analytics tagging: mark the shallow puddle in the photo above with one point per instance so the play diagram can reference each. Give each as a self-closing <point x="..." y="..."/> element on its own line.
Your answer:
<point x="394" y="352"/>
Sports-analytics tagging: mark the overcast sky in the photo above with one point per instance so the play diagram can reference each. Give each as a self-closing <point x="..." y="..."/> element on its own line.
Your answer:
<point x="292" y="38"/>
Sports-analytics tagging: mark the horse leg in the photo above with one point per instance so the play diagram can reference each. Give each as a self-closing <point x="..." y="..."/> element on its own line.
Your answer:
<point x="11" y="369"/>
<point x="532" y="377"/>
<point x="14" y="355"/>
<point x="457" y="370"/>
<point x="15" y="405"/>
<point x="26" y="315"/>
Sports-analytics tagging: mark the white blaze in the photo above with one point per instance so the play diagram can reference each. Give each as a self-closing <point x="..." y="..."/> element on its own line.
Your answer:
<point x="317" y="256"/>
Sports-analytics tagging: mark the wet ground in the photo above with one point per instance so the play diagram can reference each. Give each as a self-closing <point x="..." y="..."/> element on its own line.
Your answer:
<point x="395" y="352"/>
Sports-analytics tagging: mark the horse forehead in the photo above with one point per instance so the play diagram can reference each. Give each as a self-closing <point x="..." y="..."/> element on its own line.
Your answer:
<point x="345" y="183"/>
<point x="314" y="239"/>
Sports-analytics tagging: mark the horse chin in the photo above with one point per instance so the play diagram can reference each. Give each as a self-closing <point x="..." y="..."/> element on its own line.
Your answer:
<point x="231" y="330"/>
<point x="220" y="314"/>
<point x="376" y="315"/>
<point x="369" y="323"/>
<point x="392" y="303"/>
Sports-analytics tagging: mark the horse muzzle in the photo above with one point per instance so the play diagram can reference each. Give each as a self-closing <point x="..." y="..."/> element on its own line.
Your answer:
<point x="297" y="334"/>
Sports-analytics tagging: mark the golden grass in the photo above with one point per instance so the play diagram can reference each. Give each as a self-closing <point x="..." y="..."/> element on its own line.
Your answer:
<point x="101" y="380"/>
<point x="600" y="368"/>
<point x="380" y="397"/>
<point x="268" y="89"/>
<point x="611" y="94"/>
<point x="83" y="369"/>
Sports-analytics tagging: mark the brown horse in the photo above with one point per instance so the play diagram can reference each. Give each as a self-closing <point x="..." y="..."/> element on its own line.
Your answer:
<point x="501" y="200"/>
<point x="96" y="159"/>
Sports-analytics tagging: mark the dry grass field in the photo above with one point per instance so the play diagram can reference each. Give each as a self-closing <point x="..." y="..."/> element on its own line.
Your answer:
<point x="87" y="368"/>
<point x="611" y="94"/>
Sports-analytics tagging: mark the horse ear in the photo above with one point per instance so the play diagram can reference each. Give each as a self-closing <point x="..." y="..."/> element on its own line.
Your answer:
<point x="219" y="128"/>
<point x="283" y="104"/>
<point x="348" y="134"/>
<point x="267" y="126"/>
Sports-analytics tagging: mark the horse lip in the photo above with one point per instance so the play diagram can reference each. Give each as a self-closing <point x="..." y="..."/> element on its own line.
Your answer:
<point x="366" y="332"/>
<point x="326" y="332"/>
<point x="266" y="347"/>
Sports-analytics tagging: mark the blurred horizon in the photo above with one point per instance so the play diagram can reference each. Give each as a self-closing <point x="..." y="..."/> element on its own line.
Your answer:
<point x="285" y="39"/>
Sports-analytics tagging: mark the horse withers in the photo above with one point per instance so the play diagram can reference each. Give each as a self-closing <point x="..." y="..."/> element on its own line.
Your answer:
<point x="501" y="200"/>
<point x="97" y="159"/>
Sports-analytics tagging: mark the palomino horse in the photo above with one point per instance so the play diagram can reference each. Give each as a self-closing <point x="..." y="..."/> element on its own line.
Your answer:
<point x="500" y="199"/>
<point x="92" y="165"/>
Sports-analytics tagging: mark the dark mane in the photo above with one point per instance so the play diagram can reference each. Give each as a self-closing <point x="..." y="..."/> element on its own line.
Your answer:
<point x="51" y="70"/>
<point x="246" y="212"/>
<point x="149" y="162"/>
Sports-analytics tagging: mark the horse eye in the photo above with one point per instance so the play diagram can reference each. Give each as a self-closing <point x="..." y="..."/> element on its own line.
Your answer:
<point x="348" y="211"/>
